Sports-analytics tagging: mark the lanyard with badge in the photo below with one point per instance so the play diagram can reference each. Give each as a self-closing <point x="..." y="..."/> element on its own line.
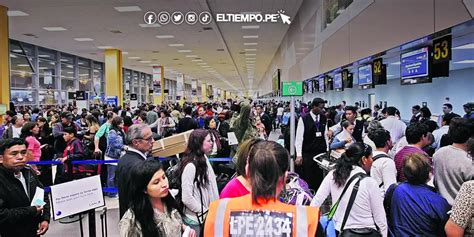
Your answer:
<point x="317" y="123"/>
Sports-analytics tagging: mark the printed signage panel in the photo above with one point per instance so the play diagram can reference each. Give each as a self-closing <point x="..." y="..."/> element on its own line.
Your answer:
<point x="292" y="88"/>
<point x="77" y="196"/>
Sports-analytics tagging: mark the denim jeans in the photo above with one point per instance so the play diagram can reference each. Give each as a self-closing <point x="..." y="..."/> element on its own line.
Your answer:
<point x="111" y="178"/>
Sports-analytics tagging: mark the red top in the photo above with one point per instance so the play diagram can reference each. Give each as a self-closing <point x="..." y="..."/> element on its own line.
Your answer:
<point x="234" y="188"/>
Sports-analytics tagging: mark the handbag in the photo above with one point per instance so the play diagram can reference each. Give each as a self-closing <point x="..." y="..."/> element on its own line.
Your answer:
<point x="356" y="232"/>
<point x="326" y="221"/>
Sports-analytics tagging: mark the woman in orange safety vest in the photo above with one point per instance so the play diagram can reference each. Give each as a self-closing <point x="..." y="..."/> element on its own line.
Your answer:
<point x="260" y="213"/>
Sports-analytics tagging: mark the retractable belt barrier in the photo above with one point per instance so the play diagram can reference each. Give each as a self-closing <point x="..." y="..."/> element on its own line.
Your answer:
<point x="98" y="162"/>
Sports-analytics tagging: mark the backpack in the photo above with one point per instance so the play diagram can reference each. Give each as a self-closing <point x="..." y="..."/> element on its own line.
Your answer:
<point x="174" y="178"/>
<point x="379" y="156"/>
<point x="296" y="191"/>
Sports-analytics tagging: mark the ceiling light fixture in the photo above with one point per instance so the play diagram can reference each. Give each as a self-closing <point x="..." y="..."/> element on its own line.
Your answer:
<point x="465" y="61"/>
<point x="165" y="36"/>
<point x="250" y="36"/>
<point x="250" y="54"/>
<point x="17" y="13"/>
<point x="83" y="39"/>
<point x="54" y="28"/>
<point x="191" y="56"/>
<point x="149" y="25"/>
<point x="251" y="27"/>
<point x="465" y="46"/>
<point x="133" y="58"/>
<point x="250" y="44"/>
<point x="197" y="60"/>
<point x="176" y="45"/>
<point x="124" y="53"/>
<point x="104" y="47"/>
<point x="128" y="9"/>
<point x="184" y="51"/>
<point x="250" y="49"/>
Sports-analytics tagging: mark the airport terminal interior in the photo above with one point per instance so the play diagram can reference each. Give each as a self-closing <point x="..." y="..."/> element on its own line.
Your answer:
<point x="90" y="89"/>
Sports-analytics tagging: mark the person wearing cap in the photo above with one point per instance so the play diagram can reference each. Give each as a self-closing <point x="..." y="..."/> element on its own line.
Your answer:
<point x="469" y="109"/>
<point x="311" y="141"/>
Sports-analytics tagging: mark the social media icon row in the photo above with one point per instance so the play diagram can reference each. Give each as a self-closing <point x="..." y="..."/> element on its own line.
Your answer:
<point x="177" y="18"/>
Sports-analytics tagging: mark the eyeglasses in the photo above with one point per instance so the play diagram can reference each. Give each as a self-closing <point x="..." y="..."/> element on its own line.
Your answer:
<point x="150" y="139"/>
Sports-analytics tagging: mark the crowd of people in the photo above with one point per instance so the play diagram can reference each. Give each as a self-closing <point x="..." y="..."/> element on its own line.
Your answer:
<point x="403" y="177"/>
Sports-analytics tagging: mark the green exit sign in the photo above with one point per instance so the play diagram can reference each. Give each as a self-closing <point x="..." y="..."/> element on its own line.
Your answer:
<point x="292" y="88"/>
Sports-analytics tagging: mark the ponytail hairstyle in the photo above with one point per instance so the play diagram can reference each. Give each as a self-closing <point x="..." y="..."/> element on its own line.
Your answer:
<point x="352" y="156"/>
<point x="268" y="162"/>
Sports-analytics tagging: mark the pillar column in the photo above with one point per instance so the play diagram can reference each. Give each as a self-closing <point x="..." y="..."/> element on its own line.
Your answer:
<point x="203" y="92"/>
<point x="113" y="74"/>
<point x="4" y="61"/>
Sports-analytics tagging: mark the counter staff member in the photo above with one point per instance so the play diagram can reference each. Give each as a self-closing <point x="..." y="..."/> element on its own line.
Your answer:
<point x="311" y="141"/>
<point x="260" y="213"/>
<point x="18" y="184"/>
<point x="351" y="116"/>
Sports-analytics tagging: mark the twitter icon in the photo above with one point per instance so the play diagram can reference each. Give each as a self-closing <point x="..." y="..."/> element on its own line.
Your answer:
<point x="177" y="17"/>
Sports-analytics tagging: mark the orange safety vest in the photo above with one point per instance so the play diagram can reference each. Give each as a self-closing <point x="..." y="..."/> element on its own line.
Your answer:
<point x="230" y="217"/>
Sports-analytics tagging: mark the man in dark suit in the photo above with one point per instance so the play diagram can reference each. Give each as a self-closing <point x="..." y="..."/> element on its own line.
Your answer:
<point x="187" y="123"/>
<point x="265" y="119"/>
<point x="140" y="142"/>
<point x="416" y="114"/>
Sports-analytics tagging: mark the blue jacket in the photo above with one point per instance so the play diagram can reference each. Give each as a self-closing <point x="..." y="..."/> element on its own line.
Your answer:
<point x="417" y="210"/>
<point x="114" y="144"/>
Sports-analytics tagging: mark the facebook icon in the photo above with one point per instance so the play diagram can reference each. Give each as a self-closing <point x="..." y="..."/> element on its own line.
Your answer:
<point x="150" y="18"/>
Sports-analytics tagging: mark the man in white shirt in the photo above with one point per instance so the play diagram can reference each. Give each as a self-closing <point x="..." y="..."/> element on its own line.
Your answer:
<point x="280" y="111"/>
<point x="383" y="168"/>
<point x="14" y="130"/>
<point x="394" y="125"/>
<point x="438" y="133"/>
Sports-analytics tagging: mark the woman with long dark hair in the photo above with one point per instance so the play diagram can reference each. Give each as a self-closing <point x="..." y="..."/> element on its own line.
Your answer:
<point x="198" y="180"/>
<point x="260" y="213"/>
<point x="211" y="126"/>
<point x="367" y="209"/>
<point x="29" y="132"/>
<point x="153" y="211"/>
<point x="167" y="124"/>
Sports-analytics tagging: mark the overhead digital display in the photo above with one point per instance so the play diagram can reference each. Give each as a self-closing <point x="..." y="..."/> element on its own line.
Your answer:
<point x="337" y="81"/>
<point x="414" y="64"/>
<point x="365" y="75"/>
<point x="321" y="84"/>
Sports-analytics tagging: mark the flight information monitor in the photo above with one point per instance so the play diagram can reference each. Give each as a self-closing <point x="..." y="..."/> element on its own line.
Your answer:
<point x="321" y="84"/>
<point x="337" y="81"/>
<point x="365" y="75"/>
<point x="414" y="64"/>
